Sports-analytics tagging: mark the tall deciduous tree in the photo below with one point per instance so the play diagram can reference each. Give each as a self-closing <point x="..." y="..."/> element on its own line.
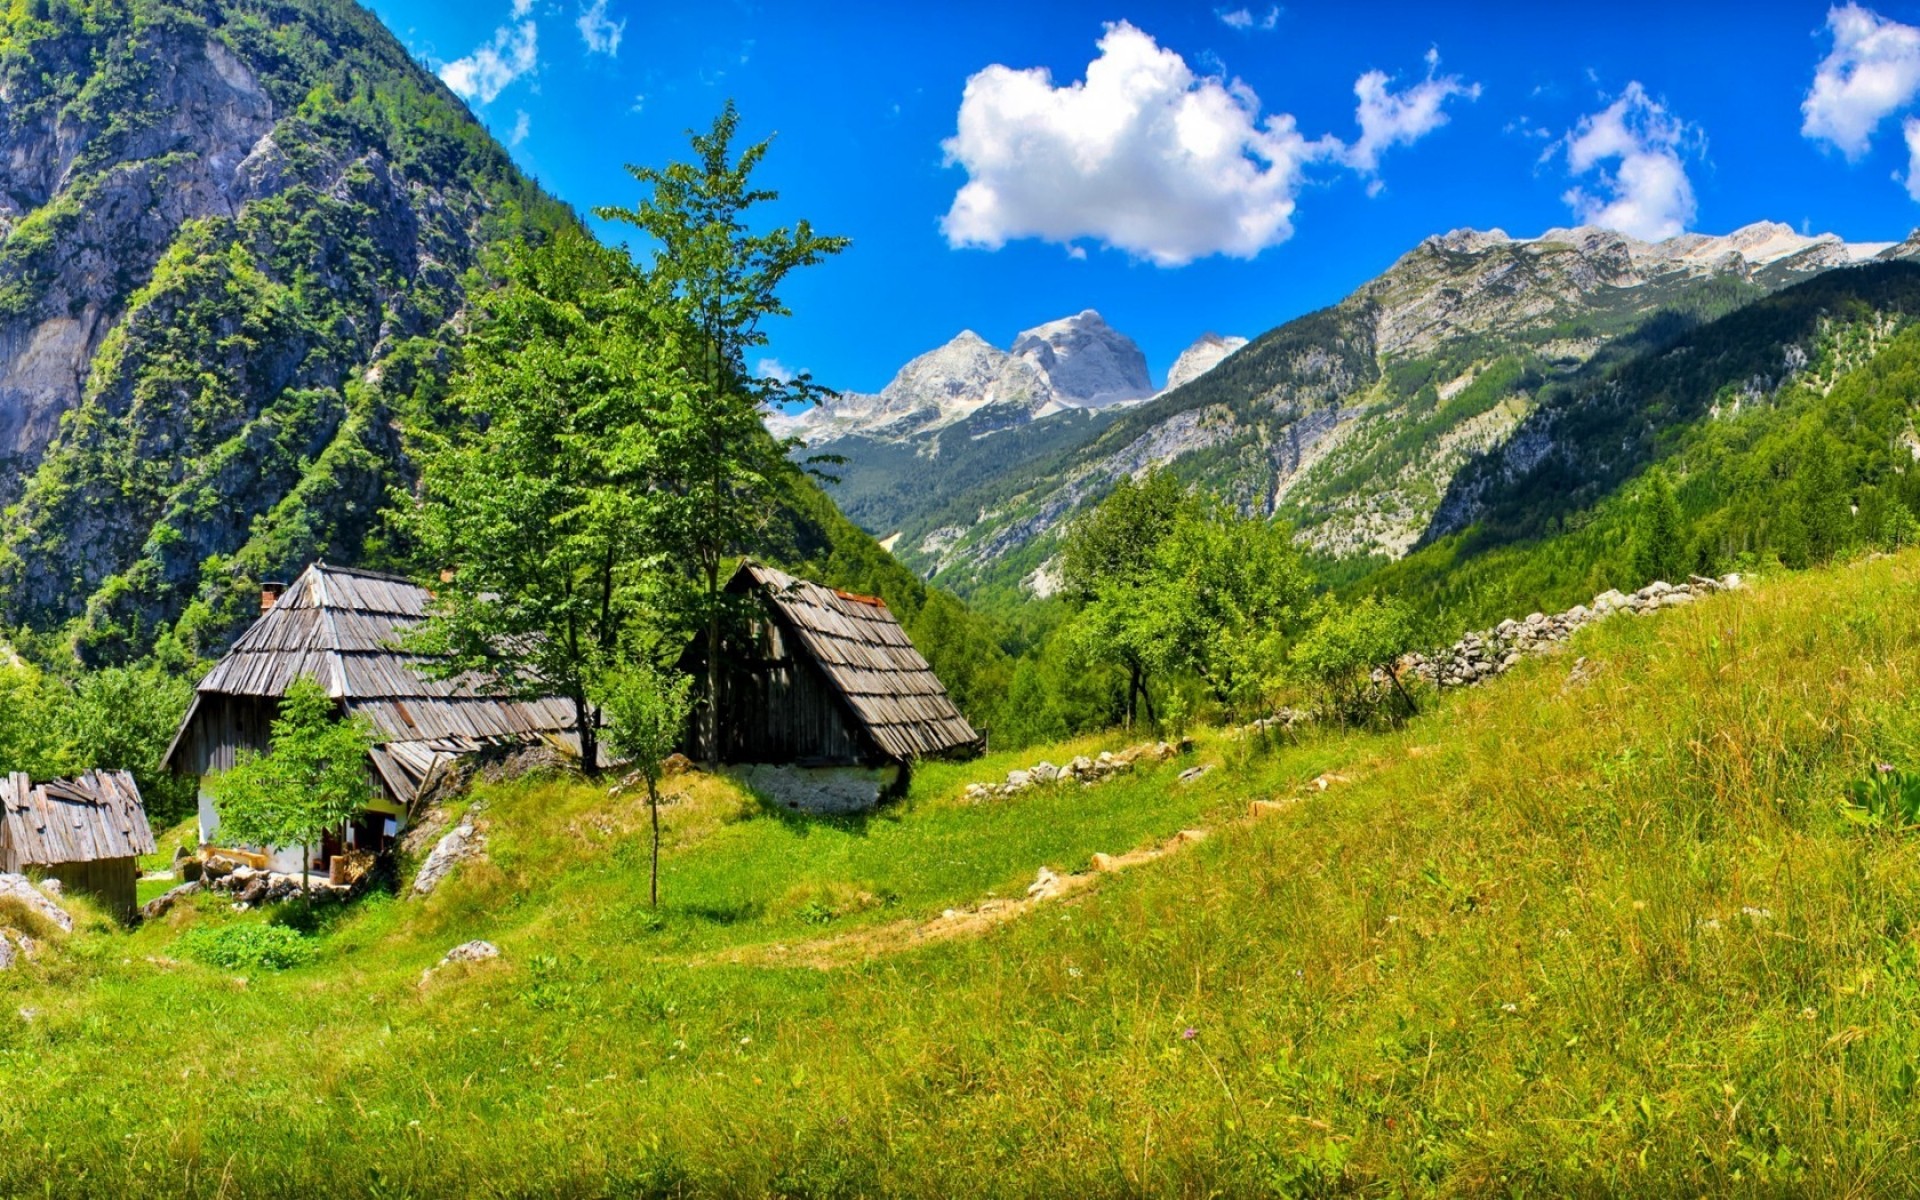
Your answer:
<point x="313" y="780"/>
<point x="1107" y="563"/>
<point x="721" y="280"/>
<point x="541" y="499"/>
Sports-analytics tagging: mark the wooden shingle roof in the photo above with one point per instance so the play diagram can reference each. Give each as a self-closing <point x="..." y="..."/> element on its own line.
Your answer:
<point x="869" y="660"/>
<point x="342" y="628"/>
<point x="97" y="816"/>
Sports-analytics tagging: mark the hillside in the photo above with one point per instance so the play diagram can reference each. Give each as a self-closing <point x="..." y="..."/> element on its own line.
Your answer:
<point x="235" y="242"/>
<point x="1575" y="931"/>
<point x="1353" y="423"/>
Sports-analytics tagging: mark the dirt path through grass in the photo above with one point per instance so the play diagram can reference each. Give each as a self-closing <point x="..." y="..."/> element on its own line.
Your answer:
<point x="895" y="937"/>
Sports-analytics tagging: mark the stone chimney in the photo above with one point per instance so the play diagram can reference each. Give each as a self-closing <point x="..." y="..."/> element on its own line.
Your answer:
<point x="270" y="593"/>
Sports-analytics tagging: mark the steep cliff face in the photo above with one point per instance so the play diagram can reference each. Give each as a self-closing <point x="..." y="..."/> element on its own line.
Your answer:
<point x="234" y="235"/>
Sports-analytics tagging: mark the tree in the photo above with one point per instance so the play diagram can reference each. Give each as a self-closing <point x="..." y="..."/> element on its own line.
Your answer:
<point x="1341" y="653"/>
<point x="1826" y="517"/>
<point x="1226" y="589"/>
<point x="1108" y="563"/>
<point x="721" y="282"/>
<point x="313" y="779"/>
<point x="1659" y="545"/>
<point x="646" y="711"/>
<point x="542" y="498"/>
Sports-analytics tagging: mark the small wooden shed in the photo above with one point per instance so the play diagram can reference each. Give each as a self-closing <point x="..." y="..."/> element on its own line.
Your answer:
<point x="824" y="678"/>
<point x="342" y="627"/>
<point x="85" y="832"/>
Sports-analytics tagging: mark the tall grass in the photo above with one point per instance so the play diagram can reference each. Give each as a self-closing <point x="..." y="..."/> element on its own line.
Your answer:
<point x="1555" y="936"/>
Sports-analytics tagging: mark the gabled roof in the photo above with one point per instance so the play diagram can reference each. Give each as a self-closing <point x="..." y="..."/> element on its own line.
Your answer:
<point x="97" y="816"/>
<point x="869" y="660"/>
<point x="343" y="627"/>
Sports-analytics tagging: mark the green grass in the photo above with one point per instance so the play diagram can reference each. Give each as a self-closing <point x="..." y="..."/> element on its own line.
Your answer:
<point x="1553" y="937"/>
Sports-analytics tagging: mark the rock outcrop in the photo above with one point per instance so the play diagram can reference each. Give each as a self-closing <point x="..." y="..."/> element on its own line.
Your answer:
<point x="19" y="893"/>
<point x="226" y="269"/>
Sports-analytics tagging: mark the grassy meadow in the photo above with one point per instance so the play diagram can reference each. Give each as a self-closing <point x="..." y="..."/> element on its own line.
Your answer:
<point x="1593" y="931"/>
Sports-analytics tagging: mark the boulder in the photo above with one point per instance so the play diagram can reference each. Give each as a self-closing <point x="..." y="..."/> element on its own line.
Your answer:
<point x="19" y="891"/>
<point x="158" y="906"/>
<point x="474" y="951"/>
<point x="458" y="845"/>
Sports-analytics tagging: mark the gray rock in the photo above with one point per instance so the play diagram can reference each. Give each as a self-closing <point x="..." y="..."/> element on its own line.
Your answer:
<point x="474" y="951"/>
<point x="158" y="906"/>
<point x="459" y="844"/>
<point x="20" y="890"/>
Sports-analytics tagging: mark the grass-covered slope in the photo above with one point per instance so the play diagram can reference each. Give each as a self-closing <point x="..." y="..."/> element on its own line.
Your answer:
<point x="1601" y="932"/>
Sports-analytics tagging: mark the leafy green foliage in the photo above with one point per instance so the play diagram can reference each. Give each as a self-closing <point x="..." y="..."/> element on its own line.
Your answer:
<point x="1888" y="798"/>
<point x="542" y="497"/>
<point x="1349" y="654"/>
<point x="313" y="779"/>
<point x="646" y="712"/>
<point x="252" y="946"/>
<point x="1173" y="583"/>
<point x="717" y="282"/>
<point x="120" y="718"/>
<point x="1658" y="549"/>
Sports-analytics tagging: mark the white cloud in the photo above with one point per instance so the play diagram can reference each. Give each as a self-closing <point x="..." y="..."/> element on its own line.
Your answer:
<point x="1387" y="119"/>
<point x="1872" y="72"/>
<point x="774" y="369"/>
<point x="601" y="32"/>
<point x="1911" y="128"/>
<point x="522" y="126"/>
<point x="522" y="8"/>
<point x="1243" y="18"/>
<point x="484" y="74"/>
<point x="1141" y="155"/>
<point x="1645" y="193"/>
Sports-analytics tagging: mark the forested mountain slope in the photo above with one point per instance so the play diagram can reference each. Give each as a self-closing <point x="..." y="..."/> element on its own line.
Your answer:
<point x="1351" y="423"/>
<point x="236" y="239"/>
<point x="1786" y="430"/>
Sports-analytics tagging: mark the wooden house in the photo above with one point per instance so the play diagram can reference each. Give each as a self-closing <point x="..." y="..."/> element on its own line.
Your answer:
<point x="343" y="628"/>
<point x="85" y="832"/>
<point x="825" y="681"/>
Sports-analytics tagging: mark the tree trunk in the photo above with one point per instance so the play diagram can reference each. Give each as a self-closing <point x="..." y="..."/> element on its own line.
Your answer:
<point x="306" y="861"/>
<point x="585" y="726"/>
<point x="1412" y="708"/>
<point x="653" y="807"/>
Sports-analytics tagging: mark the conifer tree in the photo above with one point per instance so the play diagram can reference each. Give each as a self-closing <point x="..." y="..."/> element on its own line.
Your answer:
<point x="1659" y="546"/>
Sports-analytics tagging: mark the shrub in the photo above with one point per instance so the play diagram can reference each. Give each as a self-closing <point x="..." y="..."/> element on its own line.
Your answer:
<point x="239" y="947"/>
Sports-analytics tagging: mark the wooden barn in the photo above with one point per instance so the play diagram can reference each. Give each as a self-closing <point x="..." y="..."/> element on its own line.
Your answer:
<point x="342" y="628"/>
<point x="825" y="681"/>
<point x="85" y="832"/>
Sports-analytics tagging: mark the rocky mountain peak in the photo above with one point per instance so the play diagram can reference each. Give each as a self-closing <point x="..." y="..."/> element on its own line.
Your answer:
<point x="1086" y="361"/>
<point x="1203" y="356"/>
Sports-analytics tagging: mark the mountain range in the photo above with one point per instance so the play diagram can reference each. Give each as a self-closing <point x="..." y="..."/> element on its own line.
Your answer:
<point x="1353" y="423"/>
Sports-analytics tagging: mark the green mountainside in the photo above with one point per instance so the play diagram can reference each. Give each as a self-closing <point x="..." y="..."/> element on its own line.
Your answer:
<point x="236" y="238"/>
<point x="1355" y="424"/>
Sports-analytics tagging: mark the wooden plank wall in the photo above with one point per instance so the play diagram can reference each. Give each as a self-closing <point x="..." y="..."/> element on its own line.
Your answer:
<point x="780" y="711"/>
<point x="112" y="881"/>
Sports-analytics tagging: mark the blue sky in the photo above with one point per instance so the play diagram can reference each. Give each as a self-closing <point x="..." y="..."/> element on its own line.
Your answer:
<point x="1224" y="167"/>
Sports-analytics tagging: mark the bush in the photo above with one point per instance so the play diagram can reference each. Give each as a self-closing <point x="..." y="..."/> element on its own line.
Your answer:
<point x="240" y="947"/>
